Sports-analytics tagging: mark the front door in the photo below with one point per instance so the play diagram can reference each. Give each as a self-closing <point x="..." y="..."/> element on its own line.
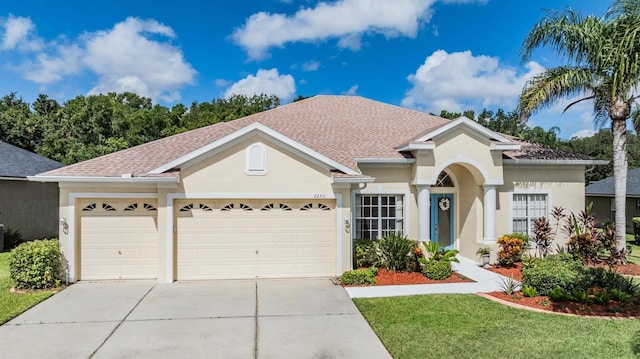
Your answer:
<point x="442" y="219"/>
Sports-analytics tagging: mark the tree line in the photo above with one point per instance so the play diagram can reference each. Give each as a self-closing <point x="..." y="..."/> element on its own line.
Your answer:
<point x="90" y="126"/>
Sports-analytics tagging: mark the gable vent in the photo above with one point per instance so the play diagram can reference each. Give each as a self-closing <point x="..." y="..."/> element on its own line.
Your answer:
<point x="256" y="159"/>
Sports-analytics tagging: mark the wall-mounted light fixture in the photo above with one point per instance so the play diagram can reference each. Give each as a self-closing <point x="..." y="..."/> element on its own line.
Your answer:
<point x="64" y="224"/>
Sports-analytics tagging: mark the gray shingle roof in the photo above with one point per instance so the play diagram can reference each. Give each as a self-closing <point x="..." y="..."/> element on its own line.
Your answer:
<point x="605" y="187"/>
<point x="18" y="163"/>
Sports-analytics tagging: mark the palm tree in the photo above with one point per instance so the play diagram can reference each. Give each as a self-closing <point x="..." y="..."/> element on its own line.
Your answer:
<point x="603" y="56"/>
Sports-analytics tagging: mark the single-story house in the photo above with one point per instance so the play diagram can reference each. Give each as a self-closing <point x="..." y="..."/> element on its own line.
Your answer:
<point x="602" y="194"/>
<point x="282" y="193"/>
<point x="30" y="208"/>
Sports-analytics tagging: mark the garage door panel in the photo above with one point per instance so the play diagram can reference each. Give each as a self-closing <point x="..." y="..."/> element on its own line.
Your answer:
<point x="276" y="239"/>
<point x="116" y="243"/>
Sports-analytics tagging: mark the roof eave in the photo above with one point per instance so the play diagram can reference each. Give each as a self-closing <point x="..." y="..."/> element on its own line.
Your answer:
<point x="87" y="179"/>
<point x="528" y="161"/>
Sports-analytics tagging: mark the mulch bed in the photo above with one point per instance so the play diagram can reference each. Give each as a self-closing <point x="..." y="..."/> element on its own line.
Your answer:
<point x="385" y="277"/>
<point x="542" y="303"/>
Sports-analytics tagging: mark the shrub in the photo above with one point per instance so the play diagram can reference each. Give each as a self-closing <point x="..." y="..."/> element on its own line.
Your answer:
<point x="579" y="295"/>
<point x="583" y="246"/>
<point x="543" y="235"/>
<point x="359" y="276"/>
<point x="601" y="298"/>
<point x="548" y="274"/>
<point x="364" y="253"/>
<point x="36" y="264"/>
<point x="512" y="246"/>
<point x="620" y="296"/>
<point x="395" y="251"/>
<point x="557" y="294"/>
<point x="610" y="280"/>
<point x="436" y="269"/>
<point x="529" y="291"/>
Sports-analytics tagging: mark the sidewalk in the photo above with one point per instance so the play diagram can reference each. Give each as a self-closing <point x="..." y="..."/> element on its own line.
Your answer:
<point x="485" y="281"/>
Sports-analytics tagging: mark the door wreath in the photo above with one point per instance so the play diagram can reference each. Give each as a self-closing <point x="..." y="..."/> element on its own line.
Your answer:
<point x="444" y="204"/>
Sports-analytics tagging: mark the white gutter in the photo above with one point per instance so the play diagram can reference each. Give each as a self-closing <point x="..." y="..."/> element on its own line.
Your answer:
<point x="554" y="162"/>
<point x="13" y="178"/>
<point x="354" y="179"/>
<point x="103" y="179"/>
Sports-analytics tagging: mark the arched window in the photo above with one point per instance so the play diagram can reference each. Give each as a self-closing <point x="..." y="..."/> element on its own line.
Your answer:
<point x="444" y="180"/>
<point x="256" y="159"/>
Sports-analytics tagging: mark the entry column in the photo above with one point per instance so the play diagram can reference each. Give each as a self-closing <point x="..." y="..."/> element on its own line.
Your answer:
<point x="489" y="213"/>
<point x="424" y="225"/>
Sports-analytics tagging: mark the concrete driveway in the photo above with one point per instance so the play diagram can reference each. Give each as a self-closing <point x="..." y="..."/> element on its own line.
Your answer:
<point x="213" y="319"/>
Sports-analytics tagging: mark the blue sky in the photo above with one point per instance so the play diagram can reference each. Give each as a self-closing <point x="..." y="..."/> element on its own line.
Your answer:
<point x="427" y="55"/>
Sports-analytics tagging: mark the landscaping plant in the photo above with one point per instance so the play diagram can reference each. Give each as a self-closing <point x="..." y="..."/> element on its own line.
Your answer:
<point x="359" y="276"/>
<point x="364" y="253"/>
<point x="437" y="263"/>
<point x="36" y="264"/>
<point x="512" y="246"/>
<point x="396" y="251"/>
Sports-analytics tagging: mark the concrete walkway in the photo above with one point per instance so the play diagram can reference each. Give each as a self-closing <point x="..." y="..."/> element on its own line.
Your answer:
<point x="300" y="318"/>
<point x="485" y="281"/>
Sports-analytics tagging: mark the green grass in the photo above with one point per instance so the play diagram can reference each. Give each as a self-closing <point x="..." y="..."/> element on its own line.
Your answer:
<point x="468" y="326"/>
<point x="12" y="304"/>
<point x="634" y="255"/>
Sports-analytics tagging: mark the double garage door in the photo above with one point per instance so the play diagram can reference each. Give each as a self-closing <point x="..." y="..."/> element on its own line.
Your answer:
<point x="215" y="239"/>
<point x="255" y="238"/>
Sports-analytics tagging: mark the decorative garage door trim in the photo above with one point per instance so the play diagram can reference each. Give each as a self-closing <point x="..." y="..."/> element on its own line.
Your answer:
<point x="70" y="220"/>
<point x="172" y="225"/>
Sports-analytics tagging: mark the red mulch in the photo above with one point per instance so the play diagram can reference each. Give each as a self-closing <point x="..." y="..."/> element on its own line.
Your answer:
<point x="613" y="309"/>
<point x="385" y="277"/>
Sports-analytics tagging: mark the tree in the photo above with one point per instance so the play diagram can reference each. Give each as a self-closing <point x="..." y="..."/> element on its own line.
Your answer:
<point x="603" y="66"/>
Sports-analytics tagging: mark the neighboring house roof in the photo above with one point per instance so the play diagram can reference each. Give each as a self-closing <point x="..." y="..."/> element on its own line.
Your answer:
<point x="341" y="129"/>
<point x="605" y="187"/>
<point x="18" y="163"/>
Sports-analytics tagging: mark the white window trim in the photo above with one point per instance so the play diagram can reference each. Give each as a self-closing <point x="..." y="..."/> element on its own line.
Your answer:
<point x="253" y="172"/>
<point x="71" y="215"/>
<point x="405" y="207"/>
<point x="549" y="203"/>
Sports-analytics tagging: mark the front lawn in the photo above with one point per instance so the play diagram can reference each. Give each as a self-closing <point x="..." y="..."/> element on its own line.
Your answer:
<point x="12" y="304"/>
<point x="468" y="326"/>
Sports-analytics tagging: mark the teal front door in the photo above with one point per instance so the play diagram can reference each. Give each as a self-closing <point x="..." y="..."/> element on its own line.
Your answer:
<point x="442" y="219"/>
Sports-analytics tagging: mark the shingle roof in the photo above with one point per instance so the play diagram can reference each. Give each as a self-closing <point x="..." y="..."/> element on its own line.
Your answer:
<point x="18" y="163"/>
<point x="605" y="187"/>
<point x="342" y="128"/>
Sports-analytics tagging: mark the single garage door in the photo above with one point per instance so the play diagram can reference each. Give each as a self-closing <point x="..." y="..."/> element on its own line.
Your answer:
<point x="118" y="239"/>
<point x="218" y="239"/>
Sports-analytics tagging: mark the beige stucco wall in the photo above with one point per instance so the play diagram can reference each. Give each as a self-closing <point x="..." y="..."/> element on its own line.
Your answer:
<point x="286" y="173"/>
<point x="460" y="146"/>
<point x="563" y="184"/>
<point x="29" y="207"/>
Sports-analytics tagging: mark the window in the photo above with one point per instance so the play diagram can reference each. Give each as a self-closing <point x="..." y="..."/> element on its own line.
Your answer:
<point x="637" y="204"/>
<point x="256" y="160"/>
<point x="377" y="215"/>
<point x="526" y="209"/>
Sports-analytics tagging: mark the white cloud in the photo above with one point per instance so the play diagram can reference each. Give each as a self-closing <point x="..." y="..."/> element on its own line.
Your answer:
<point x="346" y="20"/>
<point x="124" y="58"/>
<point x="351" y="91"/>
<point x="17" y="32"/>
<point x="269" y="82"/>
<point x="135" y="55"/>
<point x="460" y="81"/>
<point x="310" y="66"/>
<point x="222" y="82"/>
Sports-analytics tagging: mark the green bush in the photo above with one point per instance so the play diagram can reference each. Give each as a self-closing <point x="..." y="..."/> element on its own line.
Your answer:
<point x="529" y="291"/>
<point x="364" y="253"/>
<point x="36" y="264"/>
<point x="395" y="251"/>
<point x="557" y="294"/>
<point x="601" y="298"/>
<point x="636" y="230"/>
<point x="436" y="270"/>
<point x="359" y="276"/>
<point x="548" y="274"/>
<point x="609" y="280"/>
